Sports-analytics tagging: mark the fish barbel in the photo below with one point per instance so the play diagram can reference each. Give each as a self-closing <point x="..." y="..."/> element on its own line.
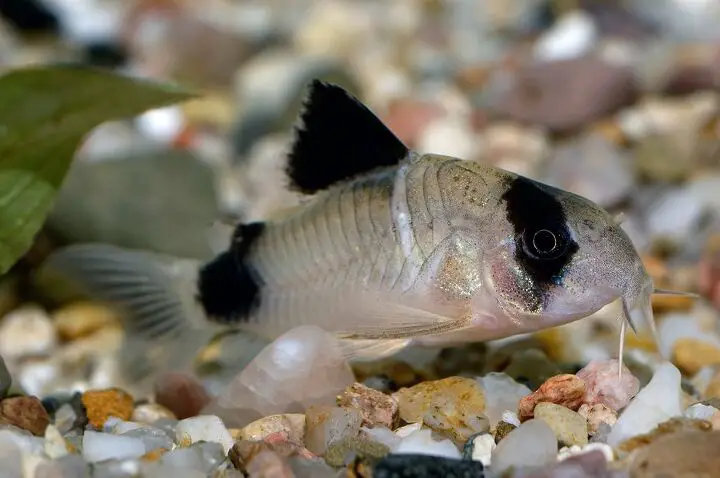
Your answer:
<point x="391" y="247"/>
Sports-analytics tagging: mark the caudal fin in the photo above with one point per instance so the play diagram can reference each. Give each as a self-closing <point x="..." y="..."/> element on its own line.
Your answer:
<point x="154" y="294"/>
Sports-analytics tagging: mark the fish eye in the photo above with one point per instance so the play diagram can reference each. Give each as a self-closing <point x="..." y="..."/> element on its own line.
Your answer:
<point x="545" y="243"/>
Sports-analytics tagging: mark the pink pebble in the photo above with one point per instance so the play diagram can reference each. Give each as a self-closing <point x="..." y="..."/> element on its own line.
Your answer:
<point x="603" y="385"/>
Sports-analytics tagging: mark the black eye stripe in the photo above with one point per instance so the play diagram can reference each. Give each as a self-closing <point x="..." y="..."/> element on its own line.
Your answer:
<point x="530" y="209"/>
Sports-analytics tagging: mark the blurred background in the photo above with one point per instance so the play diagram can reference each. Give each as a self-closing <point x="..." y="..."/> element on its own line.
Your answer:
<point x="614" y="100"/>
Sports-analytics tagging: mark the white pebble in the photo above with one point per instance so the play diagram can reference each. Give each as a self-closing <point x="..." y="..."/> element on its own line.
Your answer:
<point x="508" y="416"/>
<point x="103" y="446"/>
<point x="502" y="393"/>
<point x="531" y="444"/>
<point x="55" y="446"/>
<point x="422" y="442"/>
<point x="567" y="452"/>
<point x="26" y="331"/>
<point x="659" y="401"/>
<point x="483" y="446"/>
<point x="206" y="428"/>
<point x="402" y="432"/>
<point x="162" y="124"/>
<point x="700" y="411"/>
<point x="573" y="35"/>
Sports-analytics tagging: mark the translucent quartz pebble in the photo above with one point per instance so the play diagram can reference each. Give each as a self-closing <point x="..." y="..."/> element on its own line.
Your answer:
<point x="300" y="368"/>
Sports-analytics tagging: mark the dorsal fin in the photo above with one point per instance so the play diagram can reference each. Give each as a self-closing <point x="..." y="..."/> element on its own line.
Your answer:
<point x="338" y="138"/>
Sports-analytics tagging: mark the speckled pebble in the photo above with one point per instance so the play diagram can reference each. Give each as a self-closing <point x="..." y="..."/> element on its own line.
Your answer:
<point x="596" y="415"/>
<point x="376" y="408"/>
<point x="102" y="404"/>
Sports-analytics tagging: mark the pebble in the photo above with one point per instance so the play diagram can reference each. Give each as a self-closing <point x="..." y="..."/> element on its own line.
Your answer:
<point x="502" y="393"/>
<point x="340" y="453"/>
<point x="692" y="354"/>
<point x="566" y="390"/>
<point x="691" y="453"/>
<point x="302" y="367"/>
<point x="244" y="451"/>
<point x="589" y="464"/>
<point x="514" y="147"/>
<point x="26" y="413"/>
<point x="326" y="425"/>
<point x="570" y="427"/>
<point x="82" y="319"/>
<point x="532" y="444"/>
<point x="669" y="427"/>
<point x="502" y="429"/>
<point x="376" y="408"/>
<point x="204" y="427"/>
<point x="104" y="446"/>
<point x="103" y="404"/>
<point x="700" y="411"/>
<point x="604" y="387"/>
<point x="454" y="405"/>
<point x="659" y="401"/>
<point x="573" y="35"/>
<point x="424" y="466"/>
<point x="596" y="415"/>
<point x="151" y="412"/>
<point x="604" y="448"/>
<point x="593" y="167"/>
<point x="292" y="424"/>
<point x="480" y="448"/>
<point x="181" y="393"/>
<point x="422" y="441"/>
<point x="567" y="95"/>
<point x="26" y="331"/>
<point x="55" y="444"/>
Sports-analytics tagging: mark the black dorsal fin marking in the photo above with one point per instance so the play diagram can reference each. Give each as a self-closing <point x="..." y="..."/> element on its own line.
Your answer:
<point x="228" y="288"/>
<point x="338" y="138"/>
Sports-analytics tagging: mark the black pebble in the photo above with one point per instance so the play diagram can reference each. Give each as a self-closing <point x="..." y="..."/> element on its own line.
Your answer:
<point x="425" y="466"/>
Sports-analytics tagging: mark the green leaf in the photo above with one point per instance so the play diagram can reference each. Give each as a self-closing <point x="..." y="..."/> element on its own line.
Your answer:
<point x="44" y="114"/>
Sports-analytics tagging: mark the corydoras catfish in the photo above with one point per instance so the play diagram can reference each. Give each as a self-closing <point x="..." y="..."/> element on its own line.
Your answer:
<point x="391" y="247"/>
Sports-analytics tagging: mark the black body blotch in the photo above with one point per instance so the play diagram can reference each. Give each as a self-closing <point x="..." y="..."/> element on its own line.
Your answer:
<point x="228" y="288"/>
<point x="531" y="208"/>
<point x="337" y="139"/>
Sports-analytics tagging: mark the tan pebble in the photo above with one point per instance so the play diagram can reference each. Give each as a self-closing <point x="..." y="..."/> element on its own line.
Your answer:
<point x="27" y="413"/>
<point x="82" y="319"/>
<point x="102" y="404"/>
<point x="454" y="405"/>
<point x="671" y="303"/>
<point x="150" y="413"/>
<point x="570" y="427"/>
<point x="376" y="408"/>
<point x="154" y="455"/>
<point x="690" y="355"/>
<point x="685" y="454"/>
<point x="566" y="390"/>
<point x="293" y="424"/>
<point x="715" y="421"/>
<point x="670" y="427"/>
<point x="416" y="401"/>
<point x="596" y="415"/>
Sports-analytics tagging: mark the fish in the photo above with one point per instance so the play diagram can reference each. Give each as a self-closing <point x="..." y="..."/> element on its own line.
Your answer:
<point x="389" y="247"/>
